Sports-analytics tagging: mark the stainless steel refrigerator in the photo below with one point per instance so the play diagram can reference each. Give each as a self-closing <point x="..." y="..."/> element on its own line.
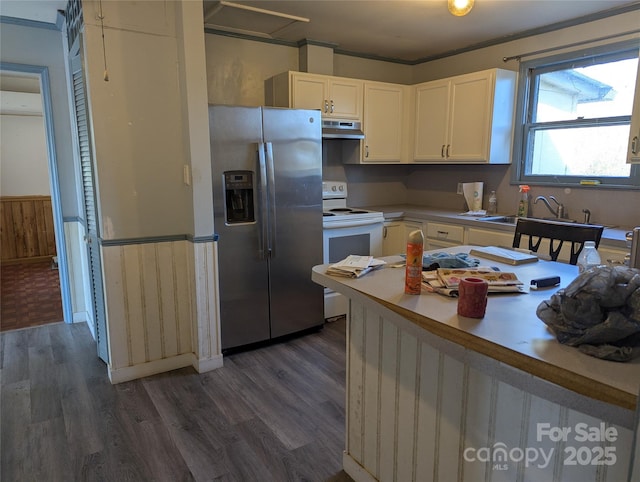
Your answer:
<point x="267" y="195"/>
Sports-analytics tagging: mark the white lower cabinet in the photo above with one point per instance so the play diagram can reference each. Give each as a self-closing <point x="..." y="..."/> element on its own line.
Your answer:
<point x="488" y="237"/>
<point x="440" y="236"/>
<point x="395" y="236"/>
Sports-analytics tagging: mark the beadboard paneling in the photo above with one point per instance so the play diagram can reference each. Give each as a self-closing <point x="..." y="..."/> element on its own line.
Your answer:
<point x="414" y="410"/>
<point x="161" y="304"/>
<point x="26" y="227"/>
<point x="207" y="306"/>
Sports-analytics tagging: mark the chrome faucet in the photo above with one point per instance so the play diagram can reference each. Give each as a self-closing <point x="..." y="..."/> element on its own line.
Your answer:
<point x="559" y="212"/>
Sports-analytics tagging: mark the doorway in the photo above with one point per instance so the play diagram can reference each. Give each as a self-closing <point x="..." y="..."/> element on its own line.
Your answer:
<point x="39" y="75"/>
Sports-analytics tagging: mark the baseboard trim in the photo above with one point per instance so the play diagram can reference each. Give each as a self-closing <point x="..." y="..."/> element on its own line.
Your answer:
<point x="126" y="374"/>
<point x="207" y="364"/>
<point x="356" y="471"/>
<point x="31" y="259"/>
<point x="80" y="317"/>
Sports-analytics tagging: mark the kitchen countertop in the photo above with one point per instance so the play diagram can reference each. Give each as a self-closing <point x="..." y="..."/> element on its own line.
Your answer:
<point x="612" y="237"/>
<point x="510" y="332"/>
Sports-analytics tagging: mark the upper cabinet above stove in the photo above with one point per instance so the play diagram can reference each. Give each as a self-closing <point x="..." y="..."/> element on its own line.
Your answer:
<point x="335" y="97"/>
<point x="386" y="123"/>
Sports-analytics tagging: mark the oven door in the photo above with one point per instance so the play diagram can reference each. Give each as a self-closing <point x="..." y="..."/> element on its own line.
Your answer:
<point x="342" y="237"/>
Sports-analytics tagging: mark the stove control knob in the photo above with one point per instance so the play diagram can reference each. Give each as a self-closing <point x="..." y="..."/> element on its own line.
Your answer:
<point x="341" y="188"/>
<point x="333" y="188"/>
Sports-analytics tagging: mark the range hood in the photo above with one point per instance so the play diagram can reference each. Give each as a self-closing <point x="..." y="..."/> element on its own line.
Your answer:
<point x="341" y="129"/>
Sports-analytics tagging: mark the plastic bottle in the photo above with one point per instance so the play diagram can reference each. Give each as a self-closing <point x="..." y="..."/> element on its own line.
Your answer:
<point x="589" y="257"/>
<point x="413" y="270"/>
<point x="523" y="203"/>
<point x="493" y="203"/>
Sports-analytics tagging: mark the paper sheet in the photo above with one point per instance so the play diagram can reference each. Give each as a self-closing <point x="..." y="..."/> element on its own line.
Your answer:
<point x="473" y="195"/>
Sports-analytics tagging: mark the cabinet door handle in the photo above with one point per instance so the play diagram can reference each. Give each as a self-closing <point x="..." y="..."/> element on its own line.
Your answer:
<point x="326" y="106"/>
<point x="448" y="146"/>
<point x="332" y="107"/>
<point x="366" y="151"/>
<point x="442" y="151"/>
<point x="384" y="232"/>
<point x="634" y="145"/>
<point x="443" y="234"/>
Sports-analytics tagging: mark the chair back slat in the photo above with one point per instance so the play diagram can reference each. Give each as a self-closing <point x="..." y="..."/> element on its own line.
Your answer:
<point x="557" y="233"/>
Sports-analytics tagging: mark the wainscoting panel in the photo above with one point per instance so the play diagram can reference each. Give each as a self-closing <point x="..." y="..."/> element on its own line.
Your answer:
<point x="148" y="291"/>
<point x="26" y="227"/>
<point x="420" y="408"/>
<point x="207" y="345"/>
<point x="78" y="273"/>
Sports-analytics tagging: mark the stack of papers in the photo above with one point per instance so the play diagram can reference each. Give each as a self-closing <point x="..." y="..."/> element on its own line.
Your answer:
<point x="445" y="280"/>
<point x="354" y="266"/>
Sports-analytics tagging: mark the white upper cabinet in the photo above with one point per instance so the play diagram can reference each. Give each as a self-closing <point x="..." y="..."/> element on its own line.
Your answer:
<point x="633" y="152"/>
<point x="432" y="120"/>
<point x="465" y="119"/>
<point x="335" y="97"/>
<point x="385" y="123"/>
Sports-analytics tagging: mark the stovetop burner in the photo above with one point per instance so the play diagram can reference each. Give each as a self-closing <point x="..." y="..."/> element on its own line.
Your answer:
<point x="336" y="212"/>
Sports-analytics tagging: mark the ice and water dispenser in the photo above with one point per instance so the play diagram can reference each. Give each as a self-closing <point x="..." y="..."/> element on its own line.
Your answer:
<point x="238" y="196"/>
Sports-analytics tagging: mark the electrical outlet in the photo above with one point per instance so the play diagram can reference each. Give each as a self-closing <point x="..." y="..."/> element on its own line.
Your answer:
<point x="459" y="191"/>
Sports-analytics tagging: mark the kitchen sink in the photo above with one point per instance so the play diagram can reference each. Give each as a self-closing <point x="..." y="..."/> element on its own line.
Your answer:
<point x="514" y="220"/>
<point x="499" y="219"/>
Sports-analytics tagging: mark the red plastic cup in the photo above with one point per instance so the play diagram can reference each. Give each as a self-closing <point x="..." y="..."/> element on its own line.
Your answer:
<point x="472" y="297"/>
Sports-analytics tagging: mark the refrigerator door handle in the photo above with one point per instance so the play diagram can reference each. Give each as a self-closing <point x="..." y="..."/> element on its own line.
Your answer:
<point x="271" y="199"/>
<point x="262" y="210"/>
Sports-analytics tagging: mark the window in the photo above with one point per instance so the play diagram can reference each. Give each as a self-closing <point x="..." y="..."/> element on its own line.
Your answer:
<point x="575" y="112"/>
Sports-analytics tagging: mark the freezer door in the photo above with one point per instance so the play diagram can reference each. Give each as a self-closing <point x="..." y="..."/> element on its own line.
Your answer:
<point x="236" y="135"/>
<point x="293" y="141"/>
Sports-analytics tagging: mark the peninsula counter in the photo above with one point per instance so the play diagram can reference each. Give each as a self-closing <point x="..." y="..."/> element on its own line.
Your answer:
<point x="434" y="396"/>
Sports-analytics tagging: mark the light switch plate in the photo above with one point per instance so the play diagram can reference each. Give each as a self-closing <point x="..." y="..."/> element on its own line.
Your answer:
<point x="186" y="175"/>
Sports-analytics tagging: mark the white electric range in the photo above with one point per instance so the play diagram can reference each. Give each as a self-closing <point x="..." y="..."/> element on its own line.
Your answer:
<point x="346" y="231"/>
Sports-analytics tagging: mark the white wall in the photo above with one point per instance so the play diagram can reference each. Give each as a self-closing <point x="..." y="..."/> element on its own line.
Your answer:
<point x="24" y="168"/>
<point x="237" y="68"/>
<point x="138" y="121"/>
<point x="42" y="47"/>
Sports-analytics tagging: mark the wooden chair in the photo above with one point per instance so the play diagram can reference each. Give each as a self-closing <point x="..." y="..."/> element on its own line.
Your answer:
<point x="557" y="232"/>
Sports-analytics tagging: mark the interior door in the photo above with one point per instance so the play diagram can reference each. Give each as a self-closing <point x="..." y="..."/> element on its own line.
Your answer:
<point x="90" y="211"/>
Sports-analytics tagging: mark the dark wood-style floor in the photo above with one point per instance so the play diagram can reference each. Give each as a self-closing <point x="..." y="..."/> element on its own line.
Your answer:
<point x="271" y="414"/>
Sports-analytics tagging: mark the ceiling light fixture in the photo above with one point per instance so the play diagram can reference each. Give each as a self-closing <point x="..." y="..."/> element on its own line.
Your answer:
<point x="460" y="7"/>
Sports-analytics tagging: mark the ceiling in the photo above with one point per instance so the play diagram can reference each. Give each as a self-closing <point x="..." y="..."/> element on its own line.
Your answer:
<point x="36" y="10"/>
<point x="405" y="30"/>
